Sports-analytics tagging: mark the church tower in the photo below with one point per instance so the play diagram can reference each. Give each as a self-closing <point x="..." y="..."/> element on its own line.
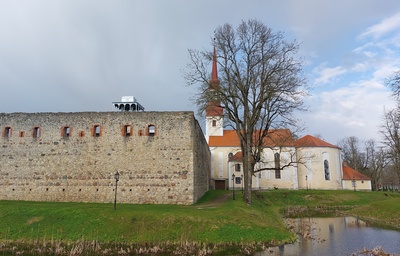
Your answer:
<point x="214" y="111"/>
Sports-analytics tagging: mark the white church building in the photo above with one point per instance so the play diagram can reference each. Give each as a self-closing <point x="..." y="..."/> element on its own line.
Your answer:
<point x="316" y="164"/>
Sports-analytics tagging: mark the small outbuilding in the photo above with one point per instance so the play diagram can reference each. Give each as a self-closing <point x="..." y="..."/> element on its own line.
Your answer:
<point x="355" y="180"/>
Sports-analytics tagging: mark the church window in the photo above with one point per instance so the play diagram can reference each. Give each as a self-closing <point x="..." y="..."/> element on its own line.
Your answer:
<point x="36" y="132"/>
<point x="214" y="123"/>
<point x="127" y="131"/>
<point x="277" y="173"/>
<point x="326" y="170"/>
<point x="230" y="155"/>
<point x="82" y="134"/>
<point x="277" y="160"/>
<point x="151" y="130"/>
<point x="65" y="131"/>
<point x="7" y="132"/>
<point x="21" y="134"/>
<point x="237" y="167"/>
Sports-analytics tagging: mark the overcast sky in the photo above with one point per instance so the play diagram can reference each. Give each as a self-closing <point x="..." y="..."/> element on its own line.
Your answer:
<point x="76" y="55"/>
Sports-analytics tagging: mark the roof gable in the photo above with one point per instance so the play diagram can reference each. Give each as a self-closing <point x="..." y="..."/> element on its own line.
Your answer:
<point x="311" y="141"/>
<point x="275" y="138"/>
<point x="350" y="174"/>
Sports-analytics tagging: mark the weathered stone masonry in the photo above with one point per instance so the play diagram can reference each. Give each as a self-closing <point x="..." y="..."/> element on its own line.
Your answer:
<point x="162" y="157"/>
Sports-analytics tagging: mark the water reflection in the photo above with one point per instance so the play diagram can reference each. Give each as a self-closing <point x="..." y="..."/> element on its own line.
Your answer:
<point x="335" y="236"/>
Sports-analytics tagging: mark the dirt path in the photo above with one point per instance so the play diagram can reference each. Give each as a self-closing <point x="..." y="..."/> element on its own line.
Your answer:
<point x="216" y="201"/>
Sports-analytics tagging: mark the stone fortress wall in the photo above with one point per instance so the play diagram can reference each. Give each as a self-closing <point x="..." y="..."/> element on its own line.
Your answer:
<point x="162" y="157"/>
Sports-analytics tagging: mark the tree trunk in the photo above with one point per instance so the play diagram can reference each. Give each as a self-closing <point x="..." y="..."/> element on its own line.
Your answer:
<point x="247" y="163"/>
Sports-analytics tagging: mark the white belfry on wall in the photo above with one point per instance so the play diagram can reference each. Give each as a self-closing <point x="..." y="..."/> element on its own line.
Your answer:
<point x="128" y="103"/>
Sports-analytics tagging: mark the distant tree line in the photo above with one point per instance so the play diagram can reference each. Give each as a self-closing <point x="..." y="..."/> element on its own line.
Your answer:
<point x="379" y="161"/>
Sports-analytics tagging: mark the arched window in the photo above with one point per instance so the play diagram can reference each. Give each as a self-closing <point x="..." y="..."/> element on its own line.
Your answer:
<point x="326" y="170"/>
<point x="277" y="160"/>
<point x="151" y="130"/>
<point x="36" y="133"/>
<point x="96" y="130"/>
<point x="7" y="132"/>
<point x="65" y="131"/>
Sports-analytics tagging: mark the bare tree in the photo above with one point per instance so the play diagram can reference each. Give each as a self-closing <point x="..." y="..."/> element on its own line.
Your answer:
<point x="370" y="159"/>
<point x="394" y="83"/>
<point x="261" y="85"/>
<point x="377" y="161"/>
<point x="351" y="152"/>
<point x="390" y="131"/>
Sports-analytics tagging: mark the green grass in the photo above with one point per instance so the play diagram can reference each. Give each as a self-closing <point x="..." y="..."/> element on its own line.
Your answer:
<point x="210" y="221"/>
<point x="230" y="222"/>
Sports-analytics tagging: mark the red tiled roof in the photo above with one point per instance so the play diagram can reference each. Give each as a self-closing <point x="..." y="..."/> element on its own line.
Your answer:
<point x="311" y="141"/>
<point x="281" y="137"/>
<point x="214" y="110"/>
<point x="349" y="174"/>
<point x="236" y="157"/>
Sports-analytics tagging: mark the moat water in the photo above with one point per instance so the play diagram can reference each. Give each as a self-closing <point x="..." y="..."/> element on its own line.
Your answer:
<point x="336" y="236"/>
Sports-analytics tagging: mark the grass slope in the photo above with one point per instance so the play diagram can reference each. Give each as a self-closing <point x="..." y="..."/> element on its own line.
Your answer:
<point x="223" y="222"/>
<point x="215" y="219"/>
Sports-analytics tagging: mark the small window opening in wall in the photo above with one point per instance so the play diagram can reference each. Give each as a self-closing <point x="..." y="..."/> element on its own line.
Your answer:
<point x="140" y="133"/>
<point x="21" y="134"/>
<point x="97" y="189"/>
<point x="214" y="123"/>
<point x="47" y="189"/>
<point x="151" y="130"/>
<point x="36" y="132"/>
<point x="81" y="134"/>
<point x="7" y="132"/>
<point x="66" y="132"/>
<point x="80" y="190"/>
<point x="63" y="189"/>
<point x="127" y="130"/>
<point x="96" y="131"/>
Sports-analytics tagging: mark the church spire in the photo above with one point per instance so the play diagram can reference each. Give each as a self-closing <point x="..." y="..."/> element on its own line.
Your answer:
<point x="214" y="108"/>
<point x="214" y="72"/>
<point x="214" y="111"/>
